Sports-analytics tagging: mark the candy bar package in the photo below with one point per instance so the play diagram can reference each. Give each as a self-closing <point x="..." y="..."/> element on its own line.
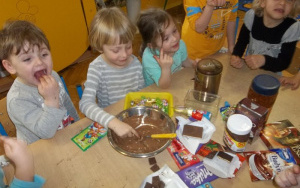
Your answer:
<point x="89" y="136"/>
<point x="257" y="114"/>
<point x="263" y="165"/>
<point x="282" y="134"/>
<point x="196" y="175"/>
<point x="191" y="142"/>
<point x="182" y="157"/>
<point x="210" y="146"/>
<point x="223" y="164"/>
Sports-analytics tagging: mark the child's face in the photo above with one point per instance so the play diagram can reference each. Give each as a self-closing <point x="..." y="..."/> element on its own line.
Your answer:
<point x="117" y="55"/>
<point x="170" y="42"/>
<point x="30" y="64"/>
<point x="277" y="10"/>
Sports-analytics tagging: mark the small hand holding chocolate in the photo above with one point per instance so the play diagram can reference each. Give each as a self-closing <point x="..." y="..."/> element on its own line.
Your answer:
<point x="49" y="89"/>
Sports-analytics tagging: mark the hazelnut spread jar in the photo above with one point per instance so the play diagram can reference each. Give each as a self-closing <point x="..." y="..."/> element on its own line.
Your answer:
<point x="263" y="91"/>
<point x="237" y="132"/>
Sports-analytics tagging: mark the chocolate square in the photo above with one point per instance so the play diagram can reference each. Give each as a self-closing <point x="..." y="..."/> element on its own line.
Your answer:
<point x="225" y="156"/>
<point x="191" y="130"/>
<point x="155" y="181"/>
<point x="148" y="185"/>
<point x="161" y="184"/>
<point x="155" y="168"/>
<point x="152" y="161"/>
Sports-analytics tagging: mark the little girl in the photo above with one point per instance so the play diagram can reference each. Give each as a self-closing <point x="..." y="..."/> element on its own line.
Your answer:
<point x="271" y="35"/>
<point x="163" y="53"/>
<point x="115" y="72"/>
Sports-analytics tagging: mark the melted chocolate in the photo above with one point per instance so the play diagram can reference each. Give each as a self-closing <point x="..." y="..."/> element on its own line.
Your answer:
<point x="151" y="125"/>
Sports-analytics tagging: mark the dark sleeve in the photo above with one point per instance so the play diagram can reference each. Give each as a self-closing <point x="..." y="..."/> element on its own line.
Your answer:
<point x="283" y="60"/>
<point x="242" y="42"/>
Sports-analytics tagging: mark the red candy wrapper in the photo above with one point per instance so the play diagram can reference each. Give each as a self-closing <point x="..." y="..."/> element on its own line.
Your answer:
<point x="182" y="157"/>
<point x="210" y="146"/>
<point x="263" y="165"/>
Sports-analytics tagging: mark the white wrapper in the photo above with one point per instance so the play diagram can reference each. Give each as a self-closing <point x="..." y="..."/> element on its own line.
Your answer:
<point x="221" y="167"/>
<point x="170" y="178"/>
<point x="192" y="143"/>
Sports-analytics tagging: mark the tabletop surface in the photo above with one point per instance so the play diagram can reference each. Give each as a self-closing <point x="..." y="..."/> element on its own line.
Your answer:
<point x="64" y="164"/>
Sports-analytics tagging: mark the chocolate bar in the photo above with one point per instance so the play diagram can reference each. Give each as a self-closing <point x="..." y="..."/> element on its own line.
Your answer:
<point x="225" y="156"/>
<point x="194" y="131"/>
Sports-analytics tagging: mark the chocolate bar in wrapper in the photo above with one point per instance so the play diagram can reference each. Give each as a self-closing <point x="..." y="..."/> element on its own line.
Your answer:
<point x="256" y="113"/>
<point x="196" y="175"/>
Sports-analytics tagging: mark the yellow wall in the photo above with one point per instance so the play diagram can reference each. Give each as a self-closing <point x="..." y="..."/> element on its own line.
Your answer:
<point x="62" y="21"/>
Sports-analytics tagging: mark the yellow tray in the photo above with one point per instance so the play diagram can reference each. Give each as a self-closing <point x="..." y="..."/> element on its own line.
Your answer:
<point x="162" y="95"/>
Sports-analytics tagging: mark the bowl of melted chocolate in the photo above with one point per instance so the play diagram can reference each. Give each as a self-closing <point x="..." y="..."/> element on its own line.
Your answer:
<point x="146" y="121"/>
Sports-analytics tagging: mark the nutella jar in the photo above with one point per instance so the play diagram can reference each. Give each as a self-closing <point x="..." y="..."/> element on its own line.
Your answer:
<point x="237" y="132"/>
<point x="263" y="91"/>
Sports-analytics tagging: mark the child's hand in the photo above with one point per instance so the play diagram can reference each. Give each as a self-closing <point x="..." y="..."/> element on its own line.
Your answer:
<point x="293" y="81"/>
<point x="236" y="62"/>
<point x="18" y="153"/>
<point x="122" y="129"/>
<point x="215" y="3"/>
<point x="49" y="90"/>
<point x="255" y="61"/>
<point x="289" y="177"/>
<point x="164" y="60"/>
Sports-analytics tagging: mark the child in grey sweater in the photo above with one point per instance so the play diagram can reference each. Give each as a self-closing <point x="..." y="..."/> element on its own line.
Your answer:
<point x="37" y="102"/>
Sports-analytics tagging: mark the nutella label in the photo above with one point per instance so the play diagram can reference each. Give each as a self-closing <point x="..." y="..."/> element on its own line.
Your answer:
<point x="233" y="144"/>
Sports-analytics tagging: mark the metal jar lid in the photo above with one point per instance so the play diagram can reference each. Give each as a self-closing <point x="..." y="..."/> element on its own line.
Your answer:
<point x="209" y="66"/>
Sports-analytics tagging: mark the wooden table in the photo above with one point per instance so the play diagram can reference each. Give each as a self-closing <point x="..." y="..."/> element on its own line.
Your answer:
<point x="63" y="164"/>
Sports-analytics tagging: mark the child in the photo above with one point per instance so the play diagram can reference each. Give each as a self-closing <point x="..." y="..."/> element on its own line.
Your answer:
<point x="289" y="177"/>
<point x="293" y="81"/>
<point x="37" y="102"/>
<point x="206" y="25"/>
<point x="163" y="51"/>
<point x="115" y="72"/>
<point x="271" y="35"/>
<point x="17" y="152"/>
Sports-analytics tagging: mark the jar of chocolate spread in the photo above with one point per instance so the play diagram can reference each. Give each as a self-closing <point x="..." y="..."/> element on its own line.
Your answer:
<point x="237" y="132"/>
<point x="264" y="90"/>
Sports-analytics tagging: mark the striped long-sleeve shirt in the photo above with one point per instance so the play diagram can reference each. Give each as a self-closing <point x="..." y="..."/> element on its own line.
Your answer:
<point x="106" y="85"/>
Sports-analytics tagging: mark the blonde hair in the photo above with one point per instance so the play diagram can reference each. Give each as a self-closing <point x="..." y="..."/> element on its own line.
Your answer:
<point x="259" y="11"/>
<point x="16" y="33"/>
<point x="110" y="25"/>
<point x="152" y="24"/>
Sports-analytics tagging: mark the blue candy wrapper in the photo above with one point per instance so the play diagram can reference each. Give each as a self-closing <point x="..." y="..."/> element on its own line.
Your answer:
<point x="196" y="175"/>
